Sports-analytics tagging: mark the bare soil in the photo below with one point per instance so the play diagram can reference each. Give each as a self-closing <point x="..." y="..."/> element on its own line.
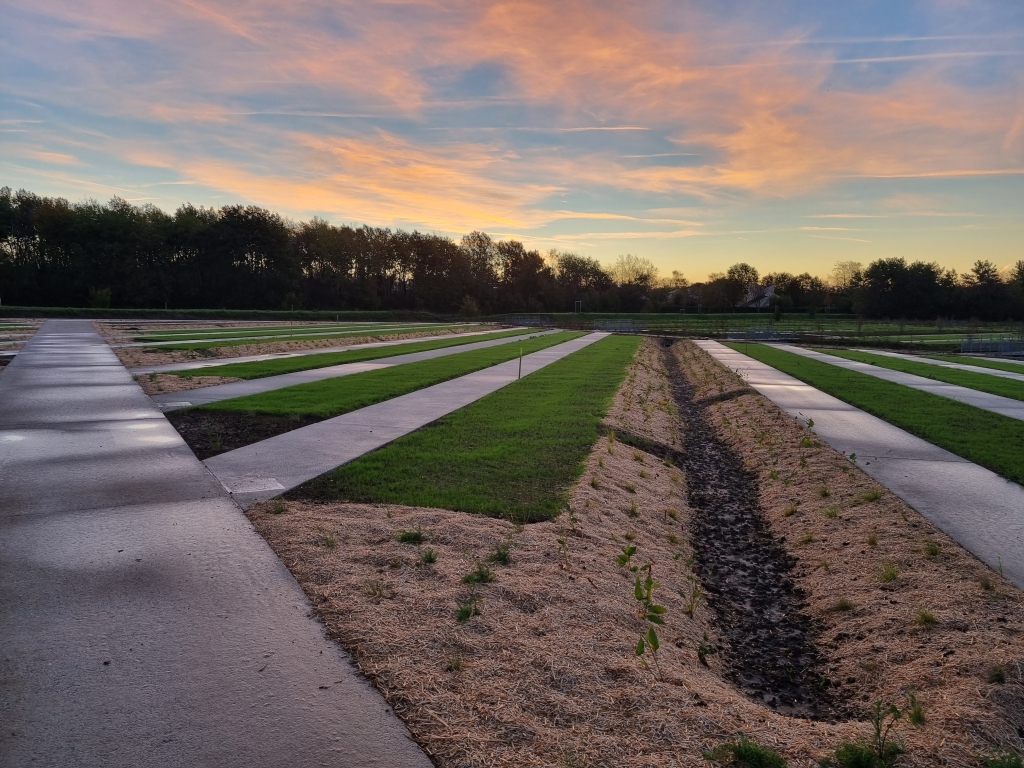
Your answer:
<point x="546" y="673"/>
<point x="209" y="433"/>
<point x="162" y="383"/>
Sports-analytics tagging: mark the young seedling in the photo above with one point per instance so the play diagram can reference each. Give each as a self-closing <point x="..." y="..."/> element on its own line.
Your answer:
<point x="638" y="456"/>
<point x="824" y="492"/>
<point x="670" y="512"/>
<point x="872" y="539"/>
<point x="888" y="572"/>
<point x="611" y="443"/>
<point x="843" y="604"/>
<point x="997" y="674"/>
<point x="482" y="574"/>
<point x="631" y="487"/>
<point x="880" y="751"/>
<point x="744" y="752"/>
<point x="502" y="554"/>
<point x="634" y="511"/>
<point x="415" y="536"/>
<point x="692" y="596"/>
<point x="705" y="649"/>
<point x="277" y="507"/>
<point x="924" y="617"/>
<point x="594" y="482"/>
<point x="466" y="609"/>
<point x="931" y="548"/>
<point x="326" y="539"/>
<point x="378" y="590"/>
<point x="831" y="512"/>
<point x="649" y="611"/>
<point x="428" y="556"/>
<point x="643" y="474"/>
<point x="986" y="583"/>
<point x="789" y="511"/>
<point x="629" y="535"/>
<point x="873" y="495"/>
<point x="455" y="662"/>
<point x="915" y="711"/>
<point x="807" y="538"/>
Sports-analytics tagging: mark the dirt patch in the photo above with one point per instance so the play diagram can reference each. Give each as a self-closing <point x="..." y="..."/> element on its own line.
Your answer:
<point x="546" y="674"/>
<point x="140" y="357"/>
<point x="162" y="383"/>
<point x="209" y="433"/>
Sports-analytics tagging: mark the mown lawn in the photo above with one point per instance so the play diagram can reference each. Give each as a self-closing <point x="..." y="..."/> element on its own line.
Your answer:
<point x="997" y="365"/>
<point x="262" y="330"/>
<point x="263" y="368"/>
<point x="333" y="397"/>
<point x="993" y="441"/>
<point x="981" y="382"/>
<point x="515" y="453"/>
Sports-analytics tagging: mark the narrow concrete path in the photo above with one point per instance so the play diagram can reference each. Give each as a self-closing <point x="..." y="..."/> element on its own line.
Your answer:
<point x="172" y="401"/>
<point x="275" y="337"/>
<point x="142" y="620"/>
<point x="981" y="510"/>
<point x="270" y="467"/>
<point x="944" y="364"/>
<point x="1004" y="406"/>
<point x="1002" y="360"/>
<point x="209" y="362"/>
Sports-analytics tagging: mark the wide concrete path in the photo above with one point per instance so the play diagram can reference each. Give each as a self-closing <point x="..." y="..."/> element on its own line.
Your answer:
<point x="274" y="337"/>
<point x="1004" y="406"/>
<point x="268" y="468"/>
<point x="142" y="620"/>
<point x="212" y="361"/>
<point x="981" y="510"/>
<point x="174" y="400"/>
<point x="945" y="364"/>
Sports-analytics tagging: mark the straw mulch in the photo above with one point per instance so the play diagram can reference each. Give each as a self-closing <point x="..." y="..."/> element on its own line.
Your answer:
<point x="139" y="357"/>
<point x="546" y="673"/>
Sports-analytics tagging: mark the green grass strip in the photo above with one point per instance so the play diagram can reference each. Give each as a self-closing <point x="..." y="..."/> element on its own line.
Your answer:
<point x="515" y="453"/>
<point x="333" y="397"/>
<point x="989" y="439"/>
<point x="236" y="342"/>
<point x="996" y="365"/>
<point x="262" y="368"/>
<point x="982" y="382"/>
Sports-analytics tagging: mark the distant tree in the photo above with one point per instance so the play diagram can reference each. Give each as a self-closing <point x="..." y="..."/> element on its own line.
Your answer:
<point x="634" y="271"/>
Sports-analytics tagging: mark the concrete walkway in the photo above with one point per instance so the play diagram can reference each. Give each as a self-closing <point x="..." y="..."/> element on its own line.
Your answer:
<point x="944" y="364"/>
<point x="268" y="468"/>
<point x="275" y="337"/>
<point x="174" y="400"/>
<point x="1004" y="406"/>
<point x="142" y="620"/>
<point x="981" y="510"/>
<point x="213" y="361"/>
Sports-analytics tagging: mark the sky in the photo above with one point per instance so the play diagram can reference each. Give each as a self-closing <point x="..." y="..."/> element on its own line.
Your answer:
<point x="785" y="134"/>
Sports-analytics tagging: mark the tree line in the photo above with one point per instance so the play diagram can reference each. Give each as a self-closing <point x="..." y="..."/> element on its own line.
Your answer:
<point x="116" y="254"/>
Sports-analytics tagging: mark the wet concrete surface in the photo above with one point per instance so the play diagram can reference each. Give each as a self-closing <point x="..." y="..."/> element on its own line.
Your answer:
<point x="978" y="508"/>
<point x="203" y="395"/>
<point x="209" y="362"/>
<point x="142" y="620"/>
<point x="945" y="364"/>
<point x="271" y="467"/>
<point x="1004" y="406"/>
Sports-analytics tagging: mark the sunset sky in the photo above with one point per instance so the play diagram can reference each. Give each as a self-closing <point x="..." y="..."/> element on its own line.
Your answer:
<point x="786" y="134"/>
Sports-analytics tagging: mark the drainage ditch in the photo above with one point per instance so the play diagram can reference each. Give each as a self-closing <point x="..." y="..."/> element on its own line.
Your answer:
<point x="771" y="654"/>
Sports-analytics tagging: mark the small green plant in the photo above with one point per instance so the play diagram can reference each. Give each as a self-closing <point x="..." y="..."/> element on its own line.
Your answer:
<point x="673" y="539"/>
<point x="502" y="554"/>
<point x="831" y="512"/>
<point x="594" y="482"/>
<point x="277" y="507"/>
<point x="482" y="574"/>
<point x="378" y="590"/>
<point x="807" y="538"/>
<point x="888" y="572"/>
<point x="789" y="511"/>
<point x="649" y="611"/>
<point x="672" y="513"/>
<point x="915" y="711"/>
<point x="810" y="423"/>
<point x="1003" y="759"/>
<point x="643" y="474"/>
<point x="466" y="609"/>
<point x="803" y="461"/>
<point x="455" y="662"/>
<point x="327" y="539"/>
<point x="428" y="556"/>
<point x="638" y="456"/>
<point x="880" y="751"/>
<point x="853" y="457"/>
<point x="624" y="558"/>
<point x="745" y="753"/>
<point x="631" y="487"/>
<point x="872" y="539"/>
<point x="692" y="596"/>
<point x="152" y="376"/>
<point x="806" y="442"/>
<point x="705" y="649"/>
<point x="773" y="475"/>
<point x="843" y="604"/>
<point x="997" y="674"/>
<point x="611" y="443"/>
<point x="629" y="536"/>
<point x="986" y="583"/>
<point x="600" y="461"/>
<point x="634" y="511"/>
<point x="923" y="617"/>
<point x="824" y="492"/>
<point x="931" y="548"/>
<point x="415" y="536"/>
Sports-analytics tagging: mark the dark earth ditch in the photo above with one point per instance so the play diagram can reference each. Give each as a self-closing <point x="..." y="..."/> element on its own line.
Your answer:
<point x="771" y="654"/>
<point x="210" y="432"/>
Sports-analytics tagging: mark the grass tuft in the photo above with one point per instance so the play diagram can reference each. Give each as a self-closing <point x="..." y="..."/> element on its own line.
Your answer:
<point x="888" y="572"/>
<point x="415" y="536"/>
<point x="482" y="574"/>
<point x="746" y="753"/>
<point x="925" y="618"/>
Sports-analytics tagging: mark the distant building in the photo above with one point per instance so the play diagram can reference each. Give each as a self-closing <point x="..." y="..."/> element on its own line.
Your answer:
<point x="757" y="297"/>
